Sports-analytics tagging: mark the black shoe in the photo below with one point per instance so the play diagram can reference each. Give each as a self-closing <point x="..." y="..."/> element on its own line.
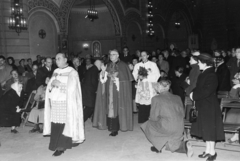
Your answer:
<point x="58" y="153"/>
<point x="34" y="130"/>
<point x="153" y="149"/>
<point x="40" y="131"/>
<point x="212" y="157"/>
<point x="75" y="144"/>
<point x="114" y="133"/>
<point x="14" y="131"/>
<point x="204" y="155"/>
<point x="189" y="150"/>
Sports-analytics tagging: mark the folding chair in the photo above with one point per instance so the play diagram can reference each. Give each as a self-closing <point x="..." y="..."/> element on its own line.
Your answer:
<point x="28" y="107"/>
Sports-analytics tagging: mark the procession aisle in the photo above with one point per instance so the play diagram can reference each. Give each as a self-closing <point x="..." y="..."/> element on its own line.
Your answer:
<point x="98" y="146"/>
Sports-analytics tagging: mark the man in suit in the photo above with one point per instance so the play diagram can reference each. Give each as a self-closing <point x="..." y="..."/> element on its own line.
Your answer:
<point x="31" y="83"/>
<point x="223" y="74"/>
<point x="44" y="72"/>
<point x="37" y="61"/>
<point x="89" y="89"/>
<point x="126" y="57"/>
<point x="166" y="122"/>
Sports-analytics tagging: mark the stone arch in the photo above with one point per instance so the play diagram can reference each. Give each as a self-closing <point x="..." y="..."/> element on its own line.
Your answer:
<point x="66" y="6"/>
<point x="50" y="6"/>
<point x="48" y="13"/>
<point x="132" y="16"/>
<point x="180" y="7"/>
<point x="160" y="21"/>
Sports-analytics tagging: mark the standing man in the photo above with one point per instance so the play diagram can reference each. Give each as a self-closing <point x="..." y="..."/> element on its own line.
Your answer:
<point x="63" y="114"/>
<point x="126" y="57"/>
<point x="5" y="73"/>
<point x="113" y="108"/>
<point x="166" y="122"/>
<point x="44" y="72"/>
<point x="89" y="88"/>
<point x="38" y="61"/>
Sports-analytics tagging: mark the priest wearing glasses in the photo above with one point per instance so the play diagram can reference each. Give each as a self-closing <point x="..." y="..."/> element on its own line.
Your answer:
<point x="113" y="108"/>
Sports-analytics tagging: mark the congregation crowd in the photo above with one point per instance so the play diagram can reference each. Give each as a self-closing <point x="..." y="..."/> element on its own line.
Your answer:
<point x="109" y="90"/>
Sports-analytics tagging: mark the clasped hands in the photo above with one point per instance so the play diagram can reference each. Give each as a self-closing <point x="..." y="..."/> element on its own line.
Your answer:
<point x="56" y="83"/>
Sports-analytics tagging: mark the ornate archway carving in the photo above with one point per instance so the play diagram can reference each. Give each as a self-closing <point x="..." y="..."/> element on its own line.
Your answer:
<point x="62" y="13"/>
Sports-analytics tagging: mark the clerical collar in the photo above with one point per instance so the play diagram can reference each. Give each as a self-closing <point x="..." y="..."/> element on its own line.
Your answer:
<point x="64" y="67"/>
<point x="116" y="62"/>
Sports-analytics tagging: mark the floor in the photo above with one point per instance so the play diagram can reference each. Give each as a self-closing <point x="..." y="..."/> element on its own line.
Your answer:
<point x="98" y="146"/>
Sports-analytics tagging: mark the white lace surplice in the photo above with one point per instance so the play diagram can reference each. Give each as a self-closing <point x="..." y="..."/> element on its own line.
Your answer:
<point x="58" y="96"/>
<point x="145" y="90"/>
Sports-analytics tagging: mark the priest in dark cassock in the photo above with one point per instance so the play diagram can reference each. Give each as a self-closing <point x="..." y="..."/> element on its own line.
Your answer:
<point x="113" y="108"/>
<point x="166" y="122"/>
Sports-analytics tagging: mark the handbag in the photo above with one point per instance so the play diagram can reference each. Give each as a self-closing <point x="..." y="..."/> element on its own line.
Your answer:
<point x="193" y="114"/>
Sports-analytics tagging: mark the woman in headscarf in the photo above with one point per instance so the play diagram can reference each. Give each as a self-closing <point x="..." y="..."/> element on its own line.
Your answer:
<point x="10" y="104"/>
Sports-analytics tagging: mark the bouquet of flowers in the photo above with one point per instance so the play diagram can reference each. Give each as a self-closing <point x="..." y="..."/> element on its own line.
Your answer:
<point x="143" y="72"/>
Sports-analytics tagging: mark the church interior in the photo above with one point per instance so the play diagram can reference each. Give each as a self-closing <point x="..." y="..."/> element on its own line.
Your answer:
<point x="92" y="28"/>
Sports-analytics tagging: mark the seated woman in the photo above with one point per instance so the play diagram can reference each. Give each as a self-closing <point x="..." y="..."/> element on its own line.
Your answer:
<point x="15" y="78"/>
<point x="10" y="104"/>
<point x="36" y="115"/>
<point x="233" y="115"/>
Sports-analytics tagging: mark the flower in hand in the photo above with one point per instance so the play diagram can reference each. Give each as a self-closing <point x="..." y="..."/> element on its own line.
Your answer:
<point x="142" y="73"/>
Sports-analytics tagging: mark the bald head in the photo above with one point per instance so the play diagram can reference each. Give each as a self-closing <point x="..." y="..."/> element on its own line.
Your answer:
<point x="98" y="64"/>
<point x="48" y="62"/>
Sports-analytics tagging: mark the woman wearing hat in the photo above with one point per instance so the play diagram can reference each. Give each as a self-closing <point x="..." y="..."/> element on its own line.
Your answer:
<point x="209" y="125"/>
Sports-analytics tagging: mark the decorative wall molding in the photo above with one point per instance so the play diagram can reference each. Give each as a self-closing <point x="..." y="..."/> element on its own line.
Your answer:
<point x="115" y="18"/>
<point x="48" y="5"/>
<point x="62" y="14"/>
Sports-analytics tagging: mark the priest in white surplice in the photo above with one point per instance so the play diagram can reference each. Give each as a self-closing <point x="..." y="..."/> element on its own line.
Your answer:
<point x="63" y="115"/>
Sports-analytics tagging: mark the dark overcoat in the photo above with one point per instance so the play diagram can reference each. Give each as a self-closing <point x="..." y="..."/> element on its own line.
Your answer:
<point x="209" y="124"/>
<point x="223" y="74"/>
<point x="8" y="103"/>
<point x="89" y="86"/>
<point x="166" y="121"/>
<point x="193" y="76"/>
<point x="42" y="74"/>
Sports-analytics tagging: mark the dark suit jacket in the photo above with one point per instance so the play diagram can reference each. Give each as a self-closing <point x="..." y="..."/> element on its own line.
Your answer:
<point x="193" y="76"/>
<point x="178" y="86"/>
<point x="81" y="72"/>
<point x="31" y="85"/>
<point x="42" y="74"/>
<point x="223" y="74"/>
<point x="89" y="86"/>
<point x="126" y="59"/>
